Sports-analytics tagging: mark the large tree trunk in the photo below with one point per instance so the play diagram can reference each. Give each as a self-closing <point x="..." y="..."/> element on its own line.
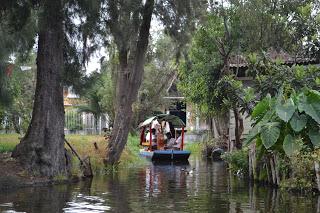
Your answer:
<point x="128" y="83"/>
<point x="42" y="149"/>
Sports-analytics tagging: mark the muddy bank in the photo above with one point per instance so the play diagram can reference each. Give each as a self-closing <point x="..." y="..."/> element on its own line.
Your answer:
<point x="13" y="175"/>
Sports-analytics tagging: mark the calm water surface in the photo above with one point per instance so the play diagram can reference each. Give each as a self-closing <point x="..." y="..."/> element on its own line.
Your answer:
<point x="208" y="187"/>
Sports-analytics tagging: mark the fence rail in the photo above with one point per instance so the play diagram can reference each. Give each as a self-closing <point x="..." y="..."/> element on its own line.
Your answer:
<point x="75" y="123"/>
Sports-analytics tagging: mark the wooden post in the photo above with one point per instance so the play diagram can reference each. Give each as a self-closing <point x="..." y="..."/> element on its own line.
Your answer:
<point x="182" y="138"/>
<point x="150" y="139"/>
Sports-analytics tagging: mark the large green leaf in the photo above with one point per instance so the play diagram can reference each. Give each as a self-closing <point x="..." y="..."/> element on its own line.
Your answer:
<point x="269" y="134"/>
<point x="314" y="99"/>
<point x="286" y="110"/>
<point x="314" y="94"/>
<point x="257" y="128"/>
<point x="298" y="122"/>
<point x="291" y="145"/>
<point x="314" y="136"/>
<point x="261" y="108"/>
<point x="252" y="134"/>
<point x="311" y="106"/>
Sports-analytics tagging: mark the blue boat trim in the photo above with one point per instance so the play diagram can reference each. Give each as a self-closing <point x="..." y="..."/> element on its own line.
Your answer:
<point x="166" y="155"/>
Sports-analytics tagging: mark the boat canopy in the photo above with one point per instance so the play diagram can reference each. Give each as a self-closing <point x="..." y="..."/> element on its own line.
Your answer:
<point x="175" y="120"/>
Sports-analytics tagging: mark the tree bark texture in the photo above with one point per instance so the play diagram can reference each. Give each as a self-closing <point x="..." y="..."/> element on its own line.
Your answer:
<point x="318" y="204"/>
<point x="238" y="128"/>
<point x="252" y="161"/>
<point x="276" y="165"/>
<point x="131" y="59"/>
<point x="222" y="126"/>
<point x="42" y="149"/>
<point x="273" y="160"/>
<point x="317" y="170"/>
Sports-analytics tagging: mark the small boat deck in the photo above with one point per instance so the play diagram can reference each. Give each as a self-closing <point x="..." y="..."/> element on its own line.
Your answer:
<point x="166" y="155"/>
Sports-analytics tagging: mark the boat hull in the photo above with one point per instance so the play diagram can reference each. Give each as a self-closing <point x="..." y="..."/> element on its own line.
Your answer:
<point x="166" y="155"/>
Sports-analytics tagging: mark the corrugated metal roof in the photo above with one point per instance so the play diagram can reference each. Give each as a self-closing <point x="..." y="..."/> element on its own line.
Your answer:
<point x="238" y="61"/>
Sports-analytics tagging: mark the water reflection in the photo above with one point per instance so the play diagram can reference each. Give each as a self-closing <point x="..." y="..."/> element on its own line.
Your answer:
<point x="165" y="177"/>
<point x="83" y="200"/>
<point x="37" y="199"/>
<point x="201" y="186"/>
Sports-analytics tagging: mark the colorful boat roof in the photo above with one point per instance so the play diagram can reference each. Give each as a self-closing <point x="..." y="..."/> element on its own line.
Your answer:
<point x="175" y="120"/>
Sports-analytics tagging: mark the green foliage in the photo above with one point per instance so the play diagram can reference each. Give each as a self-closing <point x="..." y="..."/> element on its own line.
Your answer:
<point x="292" y="100"/>
<point x="18" y="28"/>
<point x="130" y="156"/>
<point x="269" y="134"/>
<point x="7" y="147"/>
<point x="194" y="147"/>
<point x="93" y="97"/>
<point x="106" y="88"/>
<point x="293" y="123"/>
<point x="237" y="160"/>
<point x="160" y="72"/>
<point x="8" y="142"/>
<point x="310" y="104"/>
<point x="301" y="166"/>
<point x="291" y="145"/>
<point x="242" y="29"/>
<point x="20" y="87"/>
<point x="298" y="122"/>
<point x="314" y="136"/>
<point x="261" y="108"/>
<point x="270" y="77"/>
<point x="204" y="78"/>
<point x="286" y="110"/>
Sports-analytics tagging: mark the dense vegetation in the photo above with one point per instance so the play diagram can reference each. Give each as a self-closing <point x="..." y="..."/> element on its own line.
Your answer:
<point x="205" y="46"/>
<point x="282" y="99"/>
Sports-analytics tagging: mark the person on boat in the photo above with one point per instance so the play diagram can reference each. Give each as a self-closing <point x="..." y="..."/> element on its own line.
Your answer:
<point x="177" y="143"/>
<point x="170" y="141"/>
<point x="153" y="138"/>
<point x="155" y="125"/>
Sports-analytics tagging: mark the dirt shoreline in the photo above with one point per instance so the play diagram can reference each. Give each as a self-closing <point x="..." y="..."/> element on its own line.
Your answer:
<point x="13" y="175"/>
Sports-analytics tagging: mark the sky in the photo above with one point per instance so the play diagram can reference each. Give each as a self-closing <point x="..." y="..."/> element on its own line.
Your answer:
<point x="94" y="62"/>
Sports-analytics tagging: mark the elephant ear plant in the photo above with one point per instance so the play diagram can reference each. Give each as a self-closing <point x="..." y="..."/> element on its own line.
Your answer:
<point x="287" y="123"/>
<point x="290" y="121"/>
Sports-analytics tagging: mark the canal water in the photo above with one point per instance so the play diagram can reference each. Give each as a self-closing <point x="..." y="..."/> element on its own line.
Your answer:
<point x="201" y="186"/>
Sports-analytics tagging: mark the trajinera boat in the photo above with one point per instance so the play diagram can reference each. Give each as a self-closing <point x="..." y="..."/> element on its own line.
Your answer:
<point x="164" y="140"/>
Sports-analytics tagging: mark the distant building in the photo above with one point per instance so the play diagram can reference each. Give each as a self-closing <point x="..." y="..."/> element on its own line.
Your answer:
<point x="79" y="122"/>
<point x="190" y="114"/>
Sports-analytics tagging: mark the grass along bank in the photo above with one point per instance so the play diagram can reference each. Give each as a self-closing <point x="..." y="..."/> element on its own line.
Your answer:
<point x="194" y="147"/>
<point x="8" y="142"/>
<point x="84" y="146"/>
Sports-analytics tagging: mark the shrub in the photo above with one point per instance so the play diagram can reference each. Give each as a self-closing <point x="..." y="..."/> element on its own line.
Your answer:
<point x="237" y="160"/>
